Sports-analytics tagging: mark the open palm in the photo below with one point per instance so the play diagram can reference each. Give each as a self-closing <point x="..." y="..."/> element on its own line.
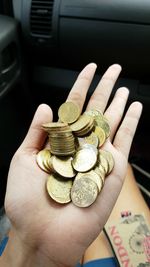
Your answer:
<point x="63" y="232"/>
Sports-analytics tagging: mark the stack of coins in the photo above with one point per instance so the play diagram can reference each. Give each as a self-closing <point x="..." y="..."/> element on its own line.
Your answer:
<point x="61" y="138"/>
<point x="76" y="163"/>
<point x="44" y="160"/>
<point x="83" y="125"/>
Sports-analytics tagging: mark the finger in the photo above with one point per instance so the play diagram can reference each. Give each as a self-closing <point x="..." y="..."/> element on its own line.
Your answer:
<point x="103" y="90"/>
<point x="36" y="136"/>
<point x="125" y="134"/>
<point x="115" y="111"/>
<point x="79" y="90"/>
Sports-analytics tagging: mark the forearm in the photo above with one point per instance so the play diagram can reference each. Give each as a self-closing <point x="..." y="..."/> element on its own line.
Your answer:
<point x="131" y="199"/>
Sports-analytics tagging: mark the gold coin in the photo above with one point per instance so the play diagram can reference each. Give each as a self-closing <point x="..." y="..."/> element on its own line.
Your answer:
<point x="92" y="139"/>
<point x="84" y="192"/>
<point x="81" y="123"/>
<point x="50" y="164"/>
<point x="46" y="161"/>
<point x="100" y="134"/>
<point x="79" y="175"/>
<point x="84" y="159"/>
<point x="92" y="147"/>
<point x="109" y="158"/>
<point x="68" y="112"/>
<point x="94" y="113"/>
<point x="103" y="161"/>
<point x="86" y="129"/>
<point x="62" y="154"/>
<point x="97" y="179"/>
<point x="77" y="168"/>
<point x="94" y="176"/>
<point x="62" y="143"/>
<point x="79" y="142"/>
<point x="104" y="125"/>
<point x="59" y="189"/>
<point x="101" y="172"/>
<point x="40" y="159"/>
<point x="52" y="126"/>
<point x="64" y="167"/>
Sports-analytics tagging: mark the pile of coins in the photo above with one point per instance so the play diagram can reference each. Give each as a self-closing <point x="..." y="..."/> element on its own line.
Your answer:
<point x="60" y="134"/>
<point x="75" y="162"/>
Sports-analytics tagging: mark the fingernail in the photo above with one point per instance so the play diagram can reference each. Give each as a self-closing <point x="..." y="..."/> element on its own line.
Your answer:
<point x="117" y="66"/>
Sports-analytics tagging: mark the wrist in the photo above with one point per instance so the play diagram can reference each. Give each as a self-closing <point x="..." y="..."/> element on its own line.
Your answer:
<point x="18" y="253"/>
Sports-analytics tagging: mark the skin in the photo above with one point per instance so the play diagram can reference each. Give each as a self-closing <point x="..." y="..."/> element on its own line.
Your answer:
<point x="45" y="233"/>
<point x="130" y="199"/>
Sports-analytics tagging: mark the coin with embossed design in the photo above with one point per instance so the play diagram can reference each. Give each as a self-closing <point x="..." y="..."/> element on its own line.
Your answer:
<point x="68" y="112"/>
<point x="94" y="176"/>
<point x="59" y="189"/>
<point x="92" y="139"/>
<point x="63" y="166"/>
<point x="84" y="192"/>
<point x="84" y="159"/>
<point x="105" y="126"/>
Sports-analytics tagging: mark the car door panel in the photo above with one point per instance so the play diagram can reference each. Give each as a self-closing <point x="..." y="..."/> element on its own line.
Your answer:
<point x="11" y="99"/>
<point x="9" y="54"/>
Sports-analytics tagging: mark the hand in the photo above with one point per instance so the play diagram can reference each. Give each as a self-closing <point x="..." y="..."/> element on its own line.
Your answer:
<point x="59" y="235"/>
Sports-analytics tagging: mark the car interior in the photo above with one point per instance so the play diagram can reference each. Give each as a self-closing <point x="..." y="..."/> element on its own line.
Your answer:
<point x="44" y="44"/>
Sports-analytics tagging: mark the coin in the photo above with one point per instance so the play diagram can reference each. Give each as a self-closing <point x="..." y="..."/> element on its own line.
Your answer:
<point x="78" y="169"/>
<point x="68" y="112"/>
<point x="47" y="157"/>
<point x="84" y="159"/>
<point x="100" y="133"/>
<point x="90" y="146"/>
<point x="62" y="142"/>
<point x="92" y="139"/>
<point x="101" y="172"/>
<point x="84" y="192"/>
<point x="79" y="142"/>
<point x="94" y="113"/>
<point x="86" y="129"/>
<point x="79" y="175"/>
<point x="64" y="167"/>
<point x="109" y="158"/>
<point x="81" y="124"/>
<point x="50" y="164"/>
<point x="53" y="126"/>
<point x="103" y="162"/>
<point x="94" y="176"/>
<point x="40" y="159"/>
<point x="59" y="189"/>
<point x="105" y="126"/>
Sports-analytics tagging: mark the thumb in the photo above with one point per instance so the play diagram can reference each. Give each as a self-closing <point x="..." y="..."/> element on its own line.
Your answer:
<point x="36" y="136"/>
